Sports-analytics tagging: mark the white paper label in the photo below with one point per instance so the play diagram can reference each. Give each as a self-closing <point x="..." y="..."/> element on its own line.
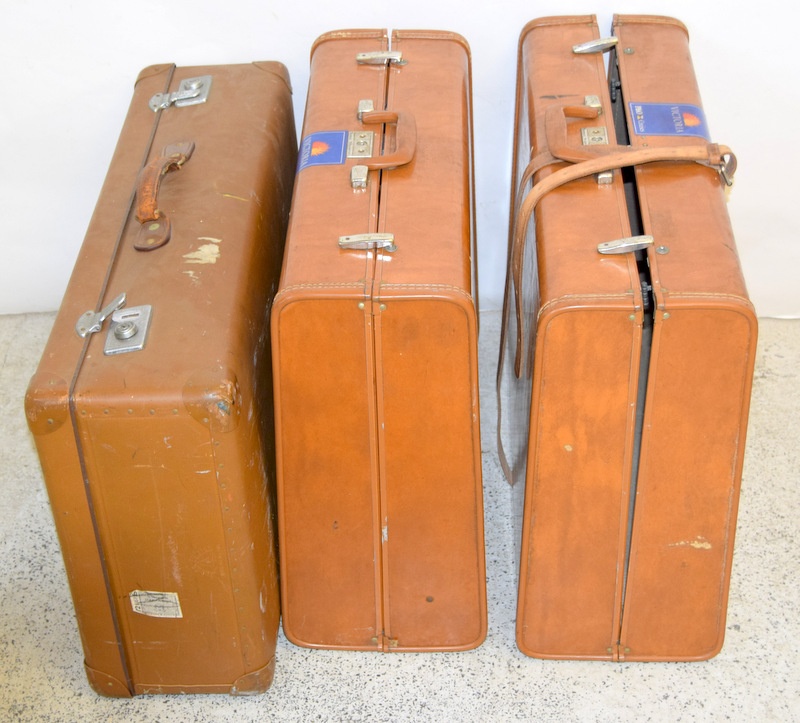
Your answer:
<point x="156" y="604"/>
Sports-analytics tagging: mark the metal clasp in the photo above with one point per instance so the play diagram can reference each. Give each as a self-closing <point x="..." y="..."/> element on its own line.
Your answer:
<point x="360" y="241"/>
<point x="625" y="245"/>
<point x="92" y="321"/>
<point x="600" y="45"/>
<point x="381" y="57"/>
<point x="191" y="91"/>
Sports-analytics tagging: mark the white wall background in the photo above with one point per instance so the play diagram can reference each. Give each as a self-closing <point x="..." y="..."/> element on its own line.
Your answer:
<point x="69" y="67"/>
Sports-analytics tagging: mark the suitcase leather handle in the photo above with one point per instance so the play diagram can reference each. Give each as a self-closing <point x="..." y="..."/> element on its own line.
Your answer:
<point x="156" y="228"/>
<point x="588" y="160"/>
<point x="405" y="139"/>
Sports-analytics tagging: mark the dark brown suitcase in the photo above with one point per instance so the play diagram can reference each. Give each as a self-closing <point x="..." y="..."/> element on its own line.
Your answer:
<point x="375" y="354"/>
<point x="635" y="357"/>
<point x="151" y="411"/>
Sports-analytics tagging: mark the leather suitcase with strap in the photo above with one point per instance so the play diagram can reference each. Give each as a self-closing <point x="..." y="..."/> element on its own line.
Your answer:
<point x="151" y="407"/>
<point x="374" y="333"/>
<point x="628" y="348"/>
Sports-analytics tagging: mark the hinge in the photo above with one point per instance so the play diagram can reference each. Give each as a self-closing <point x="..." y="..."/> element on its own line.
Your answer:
<point x="92" y="321"/>
<point x="191" y="91"/>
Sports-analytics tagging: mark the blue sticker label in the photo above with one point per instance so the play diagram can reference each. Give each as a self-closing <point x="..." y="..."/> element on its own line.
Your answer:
<point x="326" y="148"/>
<point x="668" y="119"/>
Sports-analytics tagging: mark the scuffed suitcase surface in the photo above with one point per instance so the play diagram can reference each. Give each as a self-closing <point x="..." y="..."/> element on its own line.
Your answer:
<point x="379" y="482"/>
<point x="159" y="462"/>
<point x="628" y="518"/>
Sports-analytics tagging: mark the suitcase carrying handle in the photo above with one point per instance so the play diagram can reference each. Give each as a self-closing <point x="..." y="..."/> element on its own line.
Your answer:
<point x="156" y="228"/>
<point x="405" y="139"/>
<point x="587" y="161"/>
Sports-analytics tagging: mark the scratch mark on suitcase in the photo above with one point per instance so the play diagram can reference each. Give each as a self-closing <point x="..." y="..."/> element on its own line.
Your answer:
<point x="205" y="254"/>
<point x="699" y="543"/>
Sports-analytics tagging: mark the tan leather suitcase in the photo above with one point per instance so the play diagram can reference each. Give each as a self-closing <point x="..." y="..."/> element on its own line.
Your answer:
<point x="374" y="352"/>
<point x="151" y="411"/>
<point x="633" y="344"/>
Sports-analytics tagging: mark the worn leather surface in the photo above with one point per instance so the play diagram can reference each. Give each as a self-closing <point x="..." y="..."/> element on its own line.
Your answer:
<point x="379" y="482"/>
<point x="176" y="438"/>
<point x="583" y="366"/>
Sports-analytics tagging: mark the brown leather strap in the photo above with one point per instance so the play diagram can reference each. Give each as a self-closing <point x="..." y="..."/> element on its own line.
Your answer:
<point x="710" y="154"/>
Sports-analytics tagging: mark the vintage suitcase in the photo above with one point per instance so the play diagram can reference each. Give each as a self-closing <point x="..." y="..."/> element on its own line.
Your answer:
<point x="374" y="353"/>
<point x="633" y="347"/>
<point x="153" y="421"/>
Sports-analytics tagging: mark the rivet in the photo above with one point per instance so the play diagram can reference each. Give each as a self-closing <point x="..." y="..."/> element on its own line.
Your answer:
<point x="361" y="305"/>
<point x="130" y="411"/>
<point x="666" y="315"/>
<point x="662" y="250"/>
<point x="629" y="51"/>
<point x="153" y="227"/>
<point x="383" y="307"/>
<point x="49" y="421"/>
<point x="205" y="420"/>
<point x="429" y="598"/>
<point x="152" y="411"/>
<point x="174" y="411"/>
<point x="105" y="411"/>
<point x="627" y="650"/>
<point x="632" y="317"/>
<point x="568" y="447"/>
<point x="609" y="650"/>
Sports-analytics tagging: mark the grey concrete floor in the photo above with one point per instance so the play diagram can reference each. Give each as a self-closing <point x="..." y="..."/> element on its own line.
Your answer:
<point x="756" y="677"/>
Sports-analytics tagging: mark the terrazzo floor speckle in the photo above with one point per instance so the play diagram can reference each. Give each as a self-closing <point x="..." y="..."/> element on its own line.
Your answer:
<point x="756" y="677"/>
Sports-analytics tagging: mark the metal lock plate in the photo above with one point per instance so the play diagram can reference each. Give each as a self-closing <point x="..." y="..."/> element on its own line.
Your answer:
<point x="128" y="330"/>
<point x="359" y="144"/>
<point x="191" y="91"/>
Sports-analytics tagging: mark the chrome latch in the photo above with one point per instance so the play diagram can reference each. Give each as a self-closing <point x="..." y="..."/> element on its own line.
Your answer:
<point x="600" y="45"/>
<point x="191" y="91"/>
<point x="359" y="176"/>
<point x="593" y="101"/>
<point x="360" y="241"/>
<point x="625" y="245"/>
<point x="364" y="106"/>
<point x="92" y="321"/>
<point x="381" y="57"/>
<point x="128" y="330"/>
